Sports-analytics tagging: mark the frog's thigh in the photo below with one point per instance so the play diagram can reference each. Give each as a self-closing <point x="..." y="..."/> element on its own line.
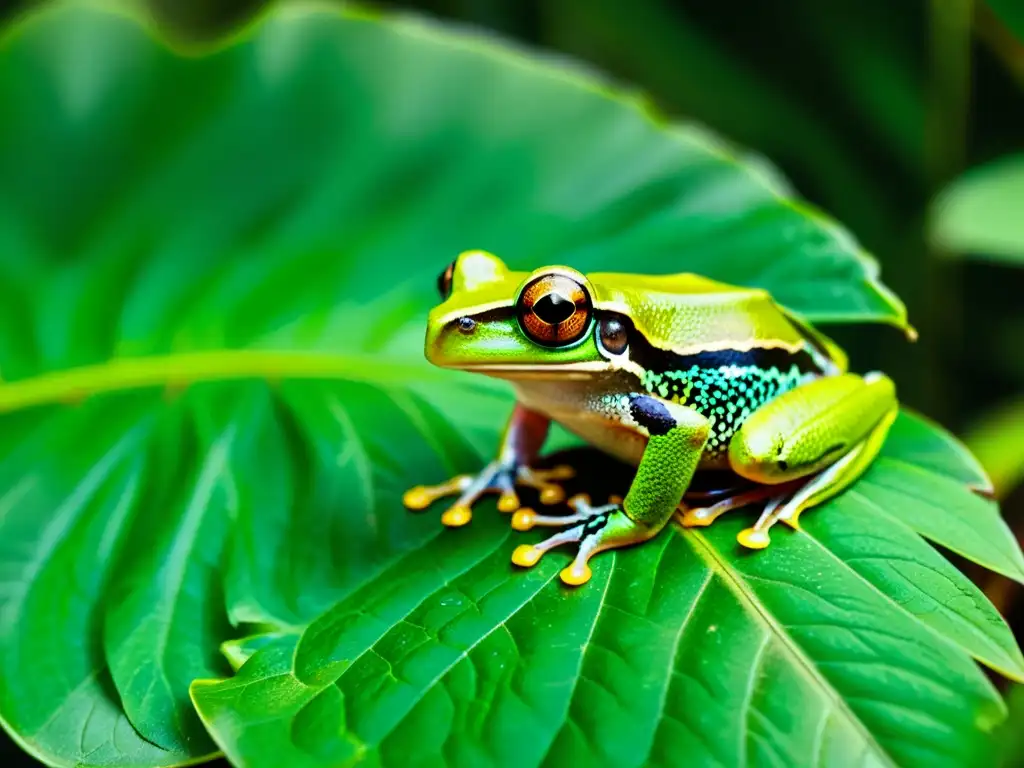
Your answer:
<point x="810" y="427"/>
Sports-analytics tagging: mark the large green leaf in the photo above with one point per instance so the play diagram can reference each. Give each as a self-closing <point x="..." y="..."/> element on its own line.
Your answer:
<point x="213" y="279"/>
<point x="979" y="213"/>
<point x="814" y="652"/>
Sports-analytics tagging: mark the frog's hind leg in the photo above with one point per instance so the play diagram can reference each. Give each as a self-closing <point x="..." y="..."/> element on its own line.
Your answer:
<point x="830" y="482"/>
<point x="827" y="432"/>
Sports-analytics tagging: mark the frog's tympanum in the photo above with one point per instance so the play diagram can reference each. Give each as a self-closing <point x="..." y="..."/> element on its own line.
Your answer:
<point x="675" y="374"/>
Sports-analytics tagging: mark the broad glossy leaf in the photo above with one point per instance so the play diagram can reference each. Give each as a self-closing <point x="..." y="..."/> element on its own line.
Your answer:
<point x="239" y="651"/>
<point x="812" y="652"/>
<point x="947" y="513"/>
<point x="68" y="506"/>
<point x="278" y="210"/>
<point x="979" y="213"/>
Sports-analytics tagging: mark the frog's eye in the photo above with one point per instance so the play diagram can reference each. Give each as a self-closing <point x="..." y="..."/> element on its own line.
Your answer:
<point x="444" y="281"/>
<point x="613" y="335"/>
<point x="554" y="310"/>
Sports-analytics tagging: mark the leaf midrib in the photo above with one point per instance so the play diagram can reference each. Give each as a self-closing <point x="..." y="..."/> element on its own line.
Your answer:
<point x="733" y="581"/>
<point x="182" y="369"/>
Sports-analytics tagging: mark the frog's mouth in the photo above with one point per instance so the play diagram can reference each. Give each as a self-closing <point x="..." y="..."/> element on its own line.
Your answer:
<point x="539" y="371"/>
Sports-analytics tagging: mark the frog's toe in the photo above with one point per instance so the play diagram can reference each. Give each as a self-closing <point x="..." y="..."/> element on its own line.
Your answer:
<point x="468" y="489"/>
<point x="545" y="481"/>
<point x="497" y="477"/>
<point x="422" y="496"/>
<point x="784" y="508"/>
<point x="594" y="529"/>
<point x="457" y="515"/>
<point x="508" y="501"/>
<point x="699" y="517"/>
<point x="752" y="538"/>
<point x="525" y="518"/>
<point x="528" y="555"/>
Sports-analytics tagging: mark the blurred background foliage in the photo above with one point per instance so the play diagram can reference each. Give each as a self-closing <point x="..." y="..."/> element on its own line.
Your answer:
<point x="872" y="108"/>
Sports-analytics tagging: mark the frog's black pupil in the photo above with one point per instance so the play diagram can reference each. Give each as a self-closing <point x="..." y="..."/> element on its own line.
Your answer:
<point x="553" y="308"/>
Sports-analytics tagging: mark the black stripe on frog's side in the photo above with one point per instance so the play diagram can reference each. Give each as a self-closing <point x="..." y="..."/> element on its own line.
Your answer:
<point x="652" y="358"/>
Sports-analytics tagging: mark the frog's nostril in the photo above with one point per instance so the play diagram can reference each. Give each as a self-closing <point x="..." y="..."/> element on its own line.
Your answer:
<point x="466" y="324"/>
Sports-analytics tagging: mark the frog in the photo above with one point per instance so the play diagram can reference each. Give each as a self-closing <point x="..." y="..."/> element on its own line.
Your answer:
<point x="677" y="375"/>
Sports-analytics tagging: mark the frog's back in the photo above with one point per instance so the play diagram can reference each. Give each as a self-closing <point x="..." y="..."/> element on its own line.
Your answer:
<point x="687" y="313"/>
<point x="722" y="349"/>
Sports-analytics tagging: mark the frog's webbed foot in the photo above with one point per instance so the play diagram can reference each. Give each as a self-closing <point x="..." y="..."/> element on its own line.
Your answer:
<point x="496" y="477"/>
<point x="783" y="503"/>
<point x="595" y="529"/>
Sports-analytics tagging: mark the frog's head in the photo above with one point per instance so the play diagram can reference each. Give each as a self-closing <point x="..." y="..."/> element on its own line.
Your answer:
<point x="513" y="324"/>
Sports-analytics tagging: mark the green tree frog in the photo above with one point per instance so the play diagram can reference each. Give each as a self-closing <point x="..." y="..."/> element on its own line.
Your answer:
<point x="674" y="374"/>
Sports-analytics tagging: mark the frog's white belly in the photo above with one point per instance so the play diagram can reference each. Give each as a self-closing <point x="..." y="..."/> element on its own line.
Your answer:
<point x="609" y="436"/>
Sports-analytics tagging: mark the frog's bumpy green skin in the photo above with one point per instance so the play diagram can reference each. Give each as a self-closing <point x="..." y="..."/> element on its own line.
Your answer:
<point x="674" y="373"/>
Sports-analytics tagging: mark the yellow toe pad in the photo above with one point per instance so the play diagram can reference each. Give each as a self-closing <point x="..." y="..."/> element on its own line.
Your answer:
<point x="551" y="495"/>
<point x="417" y="498"/>
<point x="526" y="555"/>
<point x="509" y="502"/>
<point x="575" y="575"/>
<point x="456" y="516"/>
<point x="753" y="539"/>
<point x="692" y="518"/>
<point x="523" y="519"/>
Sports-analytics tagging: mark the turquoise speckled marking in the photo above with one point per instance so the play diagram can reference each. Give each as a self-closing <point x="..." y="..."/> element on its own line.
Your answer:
<point x="726" y="395"/>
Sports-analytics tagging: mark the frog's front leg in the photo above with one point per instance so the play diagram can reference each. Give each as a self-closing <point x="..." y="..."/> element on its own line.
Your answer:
<point x="520" y="445"/>
<point x="806" y="446"/>
<point x="676" y="436"/>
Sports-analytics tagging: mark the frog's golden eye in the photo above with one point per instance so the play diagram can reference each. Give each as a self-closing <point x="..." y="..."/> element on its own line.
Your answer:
<point x="444" y="281"/>
<point x="554" y="310"/>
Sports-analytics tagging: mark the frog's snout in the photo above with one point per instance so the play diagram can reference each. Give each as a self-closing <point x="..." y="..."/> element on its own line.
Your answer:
<point x="445" y="338"/>
<point x="432" y="344"/>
